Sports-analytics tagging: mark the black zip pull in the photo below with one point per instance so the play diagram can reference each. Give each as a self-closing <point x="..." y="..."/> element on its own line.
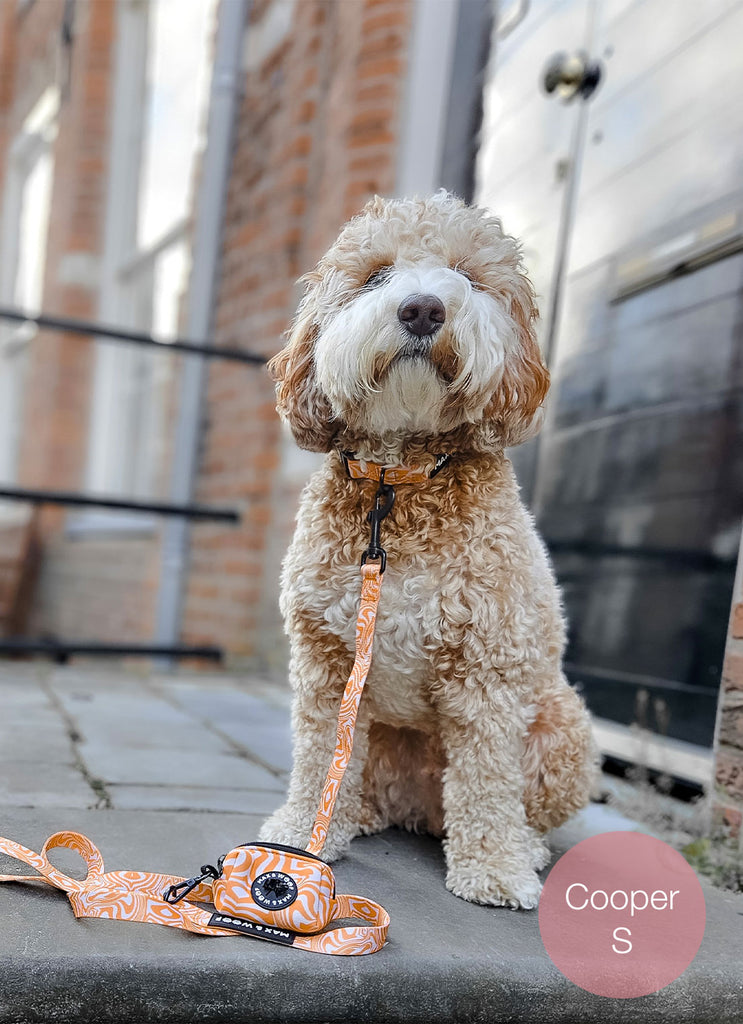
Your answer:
<point x="174" y="893"/>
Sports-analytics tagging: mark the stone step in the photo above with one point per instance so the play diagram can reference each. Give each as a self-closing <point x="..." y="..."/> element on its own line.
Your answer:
<point x="446" y="960"/>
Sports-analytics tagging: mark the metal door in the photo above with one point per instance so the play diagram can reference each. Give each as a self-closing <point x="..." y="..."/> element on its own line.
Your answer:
<point x="637" y="479"/>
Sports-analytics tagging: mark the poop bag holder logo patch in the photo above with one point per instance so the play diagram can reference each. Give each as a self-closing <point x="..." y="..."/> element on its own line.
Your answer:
<point x="274" y="890"/>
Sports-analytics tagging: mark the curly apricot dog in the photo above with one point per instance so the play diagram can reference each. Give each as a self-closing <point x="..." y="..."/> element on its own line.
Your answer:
<point x="415" y="339"/>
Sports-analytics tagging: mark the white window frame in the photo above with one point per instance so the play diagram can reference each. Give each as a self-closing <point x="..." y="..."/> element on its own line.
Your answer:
<point x="129" y="297"/>
<point x="114" y="304"/>
<point x="34" y="142"/>
<point x="125" y="299"/>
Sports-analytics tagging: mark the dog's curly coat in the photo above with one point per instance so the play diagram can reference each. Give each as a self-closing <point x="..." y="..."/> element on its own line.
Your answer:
<point x="468" y="728"/>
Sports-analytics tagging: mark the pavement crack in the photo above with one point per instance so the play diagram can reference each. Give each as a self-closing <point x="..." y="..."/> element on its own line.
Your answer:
<point x="103" y="800"/>
<point x="237" y="748"/>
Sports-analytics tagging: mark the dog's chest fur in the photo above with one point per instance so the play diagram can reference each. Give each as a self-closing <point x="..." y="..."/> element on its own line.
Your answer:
<point x="444" y="546"/>
<point x="407" y="623"/>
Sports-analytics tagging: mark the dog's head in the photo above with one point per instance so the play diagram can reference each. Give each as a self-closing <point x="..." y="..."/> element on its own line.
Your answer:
<point x="418" y="321"/>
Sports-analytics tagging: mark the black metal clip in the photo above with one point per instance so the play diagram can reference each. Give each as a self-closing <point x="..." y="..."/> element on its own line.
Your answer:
<point x="174" y="893"/>
<point x="384" y="499"/>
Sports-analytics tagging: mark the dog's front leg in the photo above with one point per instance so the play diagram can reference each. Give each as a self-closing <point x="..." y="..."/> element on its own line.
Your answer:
<point x="491" y="852"/>
<point x="317" y="695"/>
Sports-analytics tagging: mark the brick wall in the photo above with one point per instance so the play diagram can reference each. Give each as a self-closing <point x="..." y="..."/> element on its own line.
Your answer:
<point x="317" y="135"/>
<point x="56" y="407"/>
<point x="97" y="589"/>
<point x="729" y="740"/>
<point x="89" y="586"/>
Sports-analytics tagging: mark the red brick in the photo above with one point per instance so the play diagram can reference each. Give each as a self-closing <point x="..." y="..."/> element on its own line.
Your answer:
<point x="380" y="66"/>
<point x="395" y="17"/>
<point x="732" y="817"/>
<point x="376" y="92"/>
<point x="732" y="671"/>
<point x="729" y="771"/>
<point x="736" y="624"/>
<point x="731" y="719"/>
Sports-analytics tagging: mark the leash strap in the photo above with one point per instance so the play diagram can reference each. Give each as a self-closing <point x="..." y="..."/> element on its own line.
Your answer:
<point x="371" y="587"/>
<point x="137" y="896"/>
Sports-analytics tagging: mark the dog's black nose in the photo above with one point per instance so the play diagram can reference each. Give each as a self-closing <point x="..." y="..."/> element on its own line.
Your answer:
<point x="421" y="314"/>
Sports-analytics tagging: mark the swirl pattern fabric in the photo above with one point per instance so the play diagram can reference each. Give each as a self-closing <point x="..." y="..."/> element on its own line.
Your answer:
<point x="371" y="588"/>
<point x="137" y="896"/>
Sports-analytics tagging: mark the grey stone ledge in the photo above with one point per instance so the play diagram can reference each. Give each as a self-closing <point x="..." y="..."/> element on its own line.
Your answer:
<point x="446" y="960"/>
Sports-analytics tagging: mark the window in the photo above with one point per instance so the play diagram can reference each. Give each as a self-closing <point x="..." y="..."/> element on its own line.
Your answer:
<point x="25" y="225"/>
<point x="159" y="98"/>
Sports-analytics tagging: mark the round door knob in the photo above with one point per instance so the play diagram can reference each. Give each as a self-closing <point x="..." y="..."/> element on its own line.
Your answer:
<point x="571" y="75"/>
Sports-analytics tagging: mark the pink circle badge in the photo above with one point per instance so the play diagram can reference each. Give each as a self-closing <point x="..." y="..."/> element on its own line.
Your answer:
<point x="622" y="914"/>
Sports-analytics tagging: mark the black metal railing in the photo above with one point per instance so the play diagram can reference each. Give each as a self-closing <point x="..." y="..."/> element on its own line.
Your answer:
<point x="94" y="330"/>
<point x="61" y="650"/>
<point x="158" y="508"/>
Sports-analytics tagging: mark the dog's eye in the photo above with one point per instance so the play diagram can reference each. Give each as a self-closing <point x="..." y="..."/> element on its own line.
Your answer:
<point x="380" y="276"/>
<point x="472" y="280"/>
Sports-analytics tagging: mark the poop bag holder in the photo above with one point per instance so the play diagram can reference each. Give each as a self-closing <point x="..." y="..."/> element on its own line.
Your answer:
<point x="267" y="884"/>
<point x="264" y="890"/>
<point x="276" y="885"/>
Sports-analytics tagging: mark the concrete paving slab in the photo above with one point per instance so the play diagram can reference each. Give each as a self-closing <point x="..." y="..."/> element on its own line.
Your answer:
<point x="30" y="725"/>
<point x="274" y="691"/>
<point x="21" y="742"/>
<point x="262" y="728"/>
<point x="22" y="784"/>
<point x="194" y="767"/>
<point x="446" y="960"/>
<point x="38" y="763"/>
<point x="132" y="716"/>
<point x="158" y="728"/>
<point x="133" y="721"/>
<point x="195" y="798"/>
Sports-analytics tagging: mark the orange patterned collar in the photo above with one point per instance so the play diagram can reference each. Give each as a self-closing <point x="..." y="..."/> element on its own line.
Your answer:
<point x="360" y="469"/>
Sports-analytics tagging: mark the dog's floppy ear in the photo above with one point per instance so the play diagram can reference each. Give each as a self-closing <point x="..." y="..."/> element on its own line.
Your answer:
<point x="516" y="406"/>
<point x="299" y="400"/>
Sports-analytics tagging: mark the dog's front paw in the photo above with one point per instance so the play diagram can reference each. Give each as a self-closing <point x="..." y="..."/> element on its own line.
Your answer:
<point x="541" y="854"/>
<point x="479" y="884"/>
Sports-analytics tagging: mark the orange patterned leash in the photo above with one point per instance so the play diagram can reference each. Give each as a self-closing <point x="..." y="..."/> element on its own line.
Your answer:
<point x="371" y="587"/>
<point x="137" y="896"/>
